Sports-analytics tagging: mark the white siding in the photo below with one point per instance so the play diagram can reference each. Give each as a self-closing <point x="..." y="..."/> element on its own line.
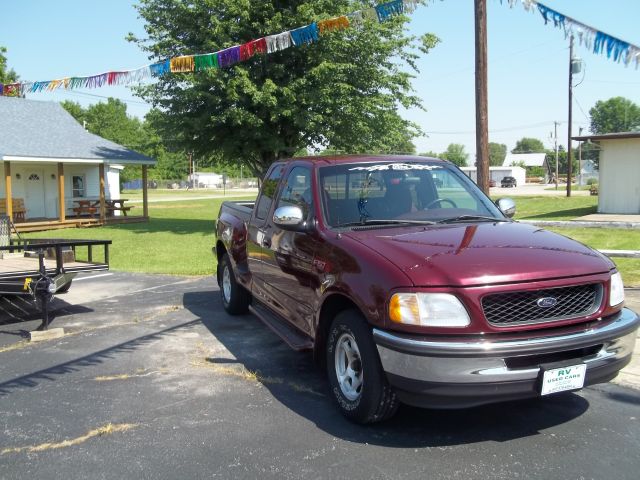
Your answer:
<point x="619" y="189"/>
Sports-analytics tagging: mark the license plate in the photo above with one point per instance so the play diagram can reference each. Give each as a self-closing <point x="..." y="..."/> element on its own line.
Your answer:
<point x="563" y="379"/>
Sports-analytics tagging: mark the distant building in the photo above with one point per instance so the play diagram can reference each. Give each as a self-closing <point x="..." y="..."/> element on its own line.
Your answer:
<point x="619" y="168"/>
<point x="529" y="160"/>
<point x="206" y="180"/>
<point x="498" y="173"/>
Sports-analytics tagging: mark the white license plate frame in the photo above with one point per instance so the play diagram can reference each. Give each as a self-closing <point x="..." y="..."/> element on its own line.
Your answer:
<point x="563" y="379"/>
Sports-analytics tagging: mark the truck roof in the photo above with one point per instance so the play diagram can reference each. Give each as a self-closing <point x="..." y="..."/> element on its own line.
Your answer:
<point x="364" y="158"/>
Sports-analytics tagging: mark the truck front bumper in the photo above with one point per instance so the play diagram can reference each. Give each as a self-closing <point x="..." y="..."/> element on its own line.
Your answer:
<point x="464" y="372"/>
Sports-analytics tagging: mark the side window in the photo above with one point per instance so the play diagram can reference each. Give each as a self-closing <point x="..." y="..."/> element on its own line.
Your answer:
<point x="78" y="186"/>
<point x="297" y="190"/>
<point x="269" y="187"/>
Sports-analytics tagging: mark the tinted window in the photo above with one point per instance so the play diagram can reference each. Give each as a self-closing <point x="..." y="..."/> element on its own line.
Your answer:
<point x="269" y="188"/>
<point x="297" y="190"/>
<point x="399" y="191"/>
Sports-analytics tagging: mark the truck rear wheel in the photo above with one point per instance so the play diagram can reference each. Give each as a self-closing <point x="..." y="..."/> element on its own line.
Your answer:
<point x="235" y="298"/>
<point x="355" y="374"/>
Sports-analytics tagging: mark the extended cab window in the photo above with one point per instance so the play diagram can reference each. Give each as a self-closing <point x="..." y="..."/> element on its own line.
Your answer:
<point x="269" y="188"/>
<point x="297" y="190"/>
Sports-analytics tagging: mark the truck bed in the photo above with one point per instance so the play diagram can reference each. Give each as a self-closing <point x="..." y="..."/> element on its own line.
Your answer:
<point x="241" y="210"/>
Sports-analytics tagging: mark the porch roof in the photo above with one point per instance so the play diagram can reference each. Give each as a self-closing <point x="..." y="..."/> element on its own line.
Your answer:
<point x="34" y="131"/>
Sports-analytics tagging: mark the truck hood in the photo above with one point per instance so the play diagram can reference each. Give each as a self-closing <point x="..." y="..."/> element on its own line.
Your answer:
<point x="481" y="254"/>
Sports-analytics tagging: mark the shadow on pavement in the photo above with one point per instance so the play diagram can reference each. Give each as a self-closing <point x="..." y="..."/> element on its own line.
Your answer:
<point x="293" y="379"/>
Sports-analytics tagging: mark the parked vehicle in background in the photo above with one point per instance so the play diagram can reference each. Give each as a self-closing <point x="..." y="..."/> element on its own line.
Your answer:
<point x="508" y="182"/>
<point x="413" y="290"/>
<point x="492" y="183"/>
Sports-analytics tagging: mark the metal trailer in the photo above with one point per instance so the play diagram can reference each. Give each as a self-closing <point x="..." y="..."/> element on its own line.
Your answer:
<point x="42" y="268"/>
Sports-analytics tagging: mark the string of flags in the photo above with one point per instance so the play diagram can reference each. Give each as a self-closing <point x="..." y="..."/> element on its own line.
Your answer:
<point x="591" y="38"/>
<point x="223" y="58"/>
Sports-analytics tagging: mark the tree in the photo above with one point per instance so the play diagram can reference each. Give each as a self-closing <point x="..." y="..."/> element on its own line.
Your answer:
<point x="618" y="114"/>
<point x="342" y="92"/>
<point x="431" y="154"/>
<point x="497" y="154"/>
<point x="562" y="161"/>
<point x="529" y="145"/>
<point x="455" y="154"/>
<point x="6" y="75"/>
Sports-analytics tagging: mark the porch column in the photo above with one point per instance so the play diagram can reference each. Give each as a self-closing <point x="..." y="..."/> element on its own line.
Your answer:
<point x="7" y="189"/>
<point x="61" y="205"/>
<point x="102" y="199"/>
<point x="145" y="203"/>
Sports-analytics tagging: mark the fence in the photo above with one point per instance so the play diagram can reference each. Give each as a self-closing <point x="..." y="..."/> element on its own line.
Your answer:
<point x="181" y="184"/>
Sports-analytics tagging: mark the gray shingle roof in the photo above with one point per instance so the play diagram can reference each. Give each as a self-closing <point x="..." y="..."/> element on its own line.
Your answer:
<point x="37" y="129"/>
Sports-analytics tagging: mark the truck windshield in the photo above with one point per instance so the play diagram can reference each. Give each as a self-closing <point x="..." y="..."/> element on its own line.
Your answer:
<point x="361" y="193"/>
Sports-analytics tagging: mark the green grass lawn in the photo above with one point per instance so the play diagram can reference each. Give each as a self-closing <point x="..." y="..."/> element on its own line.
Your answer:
<point x="177" y="240"/>
<point x="554" y="208"/>
<point x="164" y="194"/>
<point x="179" y="236"/>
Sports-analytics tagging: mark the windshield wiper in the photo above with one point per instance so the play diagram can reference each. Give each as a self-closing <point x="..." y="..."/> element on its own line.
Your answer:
<point x="465" y="218"/>
<point x="380" y="222"/>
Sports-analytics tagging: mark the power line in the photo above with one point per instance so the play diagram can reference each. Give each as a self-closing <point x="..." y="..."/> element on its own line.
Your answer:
<point x="496" y="130"/>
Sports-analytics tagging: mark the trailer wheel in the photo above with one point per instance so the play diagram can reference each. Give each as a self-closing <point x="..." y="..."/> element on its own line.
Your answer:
<point x="235" y="298"/>
<point x="355" y="373"/>
<point x="64" y="288"/>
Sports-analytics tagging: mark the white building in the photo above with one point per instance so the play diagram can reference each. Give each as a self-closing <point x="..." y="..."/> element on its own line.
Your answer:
<point x="498" y="173"/>
<point x="206" y="180"/>
<point x="619" y="187"/>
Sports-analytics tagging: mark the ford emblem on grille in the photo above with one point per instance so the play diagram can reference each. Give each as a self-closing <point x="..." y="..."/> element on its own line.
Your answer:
<point x="547" y="302"/>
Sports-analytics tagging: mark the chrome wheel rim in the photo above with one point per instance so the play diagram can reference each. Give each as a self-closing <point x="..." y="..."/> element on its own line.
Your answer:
<point x="348" y="367"/>
<point x="226" y="284"/>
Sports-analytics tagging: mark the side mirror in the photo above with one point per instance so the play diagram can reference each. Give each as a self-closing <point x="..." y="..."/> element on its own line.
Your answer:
<point x="507" y="206"/>
<point x="289" y="217"/>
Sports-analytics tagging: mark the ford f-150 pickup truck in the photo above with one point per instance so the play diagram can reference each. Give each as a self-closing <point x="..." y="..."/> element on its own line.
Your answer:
<point x="410" y="285"/>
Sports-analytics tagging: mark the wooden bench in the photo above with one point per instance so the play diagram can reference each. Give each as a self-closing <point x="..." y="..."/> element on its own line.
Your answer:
<point x="82" y="210"/>
<point x="19" y="210"/>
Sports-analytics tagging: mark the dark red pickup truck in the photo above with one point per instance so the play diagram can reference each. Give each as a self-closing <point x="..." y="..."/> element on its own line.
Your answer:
<point x="410" y="285"/>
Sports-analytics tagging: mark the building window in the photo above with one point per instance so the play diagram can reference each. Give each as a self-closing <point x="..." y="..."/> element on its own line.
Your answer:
<point x="34" y="177"/>
<point x="78" y="186"/>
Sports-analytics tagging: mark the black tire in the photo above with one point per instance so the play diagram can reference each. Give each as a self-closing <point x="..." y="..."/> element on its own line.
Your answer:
<point x="374" y="400"/>
<point x="65" y="288"/>
<point x="235" y="298"/>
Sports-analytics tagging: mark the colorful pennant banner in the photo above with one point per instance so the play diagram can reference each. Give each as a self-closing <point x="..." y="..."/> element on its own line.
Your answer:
<point x="591" y="38"/>
<point x="222" y="59"/>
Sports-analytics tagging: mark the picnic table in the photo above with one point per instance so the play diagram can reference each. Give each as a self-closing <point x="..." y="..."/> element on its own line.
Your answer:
<point x="91" y="206"/>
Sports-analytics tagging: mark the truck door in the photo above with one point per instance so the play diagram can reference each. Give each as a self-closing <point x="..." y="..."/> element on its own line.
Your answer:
<point x="290" y="280"/>
<point x="258" y="226"/>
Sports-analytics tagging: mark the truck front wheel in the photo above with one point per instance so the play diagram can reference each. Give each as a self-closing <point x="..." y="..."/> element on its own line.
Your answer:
<point x="235" y="299"/>
<point x="355" y="374"/>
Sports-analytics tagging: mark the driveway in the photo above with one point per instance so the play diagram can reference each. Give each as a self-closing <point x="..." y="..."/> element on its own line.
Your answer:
<point x="154" y="380"/>
<point x="536" y="190"/>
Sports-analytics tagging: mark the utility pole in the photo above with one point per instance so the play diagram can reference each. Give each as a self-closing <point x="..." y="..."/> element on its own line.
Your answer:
<point x="569" y="162"/>
<point x="555" y="147"/>
<point x="580" y="159"/>
<point x="482" y="119"/>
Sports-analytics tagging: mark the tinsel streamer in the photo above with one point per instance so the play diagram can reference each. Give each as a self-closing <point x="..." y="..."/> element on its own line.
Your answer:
<point x="410" y="5"/>
<point x="330" y="24"/>
<point x="53" y="85"/>
<point x="276" y="43"/>
<point x="370" y="15"/>
<point x="613" y="46"/>
<point x="160" y="68"/>
<point x="229" y="57"/>
<point x="557" y="18"/>
<point x="181" y="64"/>
<point x="387" y="10"/>
<point x="254" y="47"/>
<point x="204" y="62"/>
<point x="306" y="34"/>
<point x="1" y="89"/>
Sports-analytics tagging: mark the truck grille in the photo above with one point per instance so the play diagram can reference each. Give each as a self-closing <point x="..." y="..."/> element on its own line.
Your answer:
<point x="537" y="306"/>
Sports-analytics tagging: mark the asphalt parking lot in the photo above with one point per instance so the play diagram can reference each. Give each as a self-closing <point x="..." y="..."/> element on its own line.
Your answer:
<point x="154" y="380"/>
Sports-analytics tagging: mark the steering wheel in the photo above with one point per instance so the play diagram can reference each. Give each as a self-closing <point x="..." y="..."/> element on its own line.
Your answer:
<point x="440" y="200"/>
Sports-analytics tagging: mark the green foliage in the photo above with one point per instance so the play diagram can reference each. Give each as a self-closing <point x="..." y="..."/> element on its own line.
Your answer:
<point x="431" y="154"/>
<point x="536" y="172"/>
<point x="497" y="154"/>
<point x="618" y="114"/>
<point x="342" y="92"/>
<point x="562" y="161"/>
<point x="455" y="154"/>
<point x="6" y="75"/>
<point x="592" y="181"/>
<point x="528" y="145"/>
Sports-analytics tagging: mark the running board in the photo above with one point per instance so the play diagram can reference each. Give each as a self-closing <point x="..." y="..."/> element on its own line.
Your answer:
<point x="291" y="336"/>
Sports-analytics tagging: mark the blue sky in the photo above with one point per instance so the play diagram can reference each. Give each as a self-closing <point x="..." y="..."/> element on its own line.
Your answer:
<point x="528" y="62"/>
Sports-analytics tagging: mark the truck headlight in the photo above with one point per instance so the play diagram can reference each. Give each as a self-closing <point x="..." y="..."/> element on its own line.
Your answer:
<point x="428" y="310"/>
<point x="616" y="295"/>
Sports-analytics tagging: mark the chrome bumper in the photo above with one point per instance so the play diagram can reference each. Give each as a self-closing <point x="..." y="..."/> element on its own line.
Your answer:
<point x="478" y="370"/>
